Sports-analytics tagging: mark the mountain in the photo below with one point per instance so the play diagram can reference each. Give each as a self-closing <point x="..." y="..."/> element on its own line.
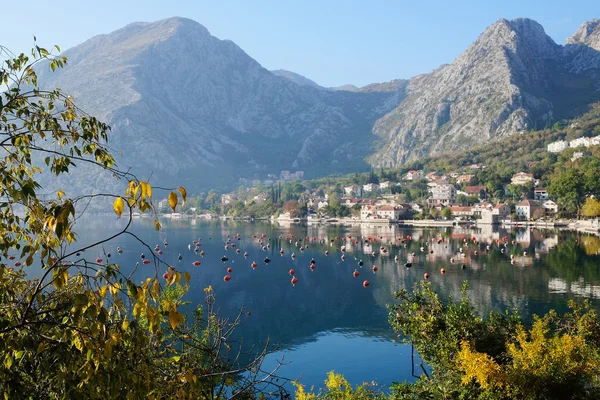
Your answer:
<point x="512" y="78"/>
<point x="296" y="78"/>
<point x="188" y="108"/>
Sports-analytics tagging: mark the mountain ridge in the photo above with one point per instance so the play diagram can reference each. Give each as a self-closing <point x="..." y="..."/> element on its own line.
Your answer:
<point x="188" y="107"/>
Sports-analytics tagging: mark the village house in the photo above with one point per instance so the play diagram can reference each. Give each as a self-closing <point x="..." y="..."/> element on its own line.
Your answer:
<point x="502" y="210"/>
<point x="385" y="185"/>
<point x="432" y="176"/>
<point x="442" y="194"/>
<point x="350" y="202"/>
<point x="582" y="141"/>
<point x="370" y="187"/>
<point x="521" y="178"/>
<point x="389" y="212"/>
<point x="577" y="155"/>
<point x="464" y="179"/>
<point x="413" y="175"/>
<point x="453" y="174"/>
<point x="228" y="198"/>
<point x="540" y="194"/>
<point x="353" y="190"/>
<point x="477" y="166"/>
<point x="368" y="212"/>
<point x="557" y="147"/>
<point x="526" y="209"/>
<point x="480" y="191"/>
<point x="261" y="198"/>
<point x="550" y="207"/>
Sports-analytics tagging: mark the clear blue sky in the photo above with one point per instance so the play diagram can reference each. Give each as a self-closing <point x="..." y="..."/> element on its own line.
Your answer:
<point x="332" y="42"/>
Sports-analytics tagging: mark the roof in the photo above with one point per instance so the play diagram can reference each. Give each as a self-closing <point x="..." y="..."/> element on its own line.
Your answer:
<point x="386" y="208"/>
<point x="475" y="189"/>
<point x="460" y="208"/>
<point x="499" y="206"/>
<point x="523" y="174"/>
<point x="539" y="189"/>
<point x="527" y="203"/>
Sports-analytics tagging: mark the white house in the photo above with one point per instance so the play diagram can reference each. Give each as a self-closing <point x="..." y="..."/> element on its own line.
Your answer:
<point x="582" y="141"/>
<point x="353" y="190"/>
<point x="414" y="175"/>
<point x="550" y="207"/>
<point x="526" y="208"/>
<point x="370" y="187"/>
<point x="441" y="194"/>
<point x="577" y="155"/>
<point x="521" y="178"/>
<point x="557" y="147"/>
<point x="385" y="185"/>
<point x="540" y="194"/>
<point x="464" y="178"/>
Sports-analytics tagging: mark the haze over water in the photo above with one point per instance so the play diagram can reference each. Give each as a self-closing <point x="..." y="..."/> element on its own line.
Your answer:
<point x="328" y="320"/>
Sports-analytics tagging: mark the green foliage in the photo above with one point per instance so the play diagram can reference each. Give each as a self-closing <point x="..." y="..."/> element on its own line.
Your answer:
<point x="82" y="329"/>
<point x="497" y="357"/>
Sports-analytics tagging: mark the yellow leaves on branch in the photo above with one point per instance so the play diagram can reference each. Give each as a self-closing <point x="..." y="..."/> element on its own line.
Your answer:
<point x="119" y="206"/>
<point x="173" y="200"/>
<point x="175" y="318"/>
<point x="183" y="195"/>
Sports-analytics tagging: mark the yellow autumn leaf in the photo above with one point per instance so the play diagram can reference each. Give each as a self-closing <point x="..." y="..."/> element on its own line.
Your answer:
<point x="186" y="278"/>
<point x="155" y="287"/>
<point x="173" y="200"/>
<point x="183" y="195"/>
<point x="156" y="224"/>
<point x="118" y="206"/>
<point x="137" y="309"/>
<point x="60" y="194"/>
<point x="175" y="318"/>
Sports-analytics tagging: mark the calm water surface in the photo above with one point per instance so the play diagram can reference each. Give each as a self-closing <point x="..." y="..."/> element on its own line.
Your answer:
<point x="328" y="320"/>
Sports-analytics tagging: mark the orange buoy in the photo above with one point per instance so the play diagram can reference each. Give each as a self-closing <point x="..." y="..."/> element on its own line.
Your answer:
<point x="227" y="278"/>
<point x="229" y="270"/>
<point x="355" y="273"/>
<point x="196" y="263"/>
<point x="294" y="281"/>
<point x="292" y="272"/>
<point x="366" y="284"/>
<point x="146" y="261"/>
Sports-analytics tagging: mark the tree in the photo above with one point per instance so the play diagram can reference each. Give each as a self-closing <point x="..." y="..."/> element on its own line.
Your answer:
<point x="446" y="212"/>
<point x="292" y="207"/>
<point x="591" y="207"/>
<point x="567" y="188"/>
<point x="83" y="329"/>
<point x="497" y="356"/>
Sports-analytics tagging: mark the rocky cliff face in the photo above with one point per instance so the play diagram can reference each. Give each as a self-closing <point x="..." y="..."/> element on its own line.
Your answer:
<point x="188" y="107"/>
<point x="512" y="78"/>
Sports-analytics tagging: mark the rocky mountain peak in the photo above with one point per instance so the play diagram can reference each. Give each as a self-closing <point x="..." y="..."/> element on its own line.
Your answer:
<point x="588" y="34"/>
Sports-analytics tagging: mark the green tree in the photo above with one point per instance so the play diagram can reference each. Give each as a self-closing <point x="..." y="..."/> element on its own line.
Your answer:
<point x="446" y="212"/>
<point x="567" y="187"/>
<point x="83" y="329"/>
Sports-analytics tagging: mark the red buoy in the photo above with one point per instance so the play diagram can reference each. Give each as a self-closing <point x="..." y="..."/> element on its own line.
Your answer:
<point x="11" y="257"/>
<point x="426" y="275"/>
<point x="443" y="270"/>
<point x="375" y="268"/>
<point x="292" y="272"/>
<point x="254" y="265"/>
<point x="366" y="284"/>
<point x="227" y="278"/>
<point x="326" y="252"/>
<point x="294" y="281"/>
<point x="146" y="261"/>
<point x="355" y="273"/>
<point x="98" y="260"/>
<point x="166" y="275"/>
<point x="281" y="251"/>
<point x="18" y="264"/>
<point x="229" y="270"/>
<point x="312" y="267"/>
<point x="196" y="263"/>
